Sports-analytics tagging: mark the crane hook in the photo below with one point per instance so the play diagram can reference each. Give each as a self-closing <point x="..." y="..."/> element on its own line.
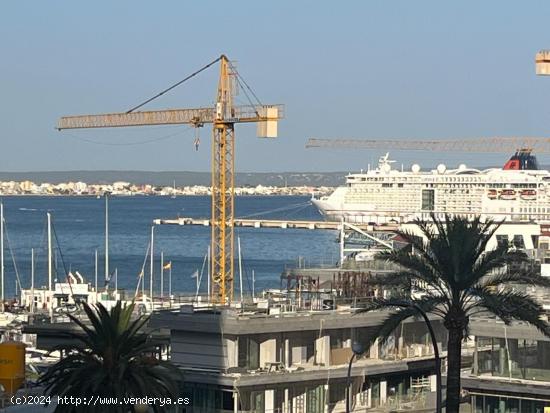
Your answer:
<point x="197" y="140"/>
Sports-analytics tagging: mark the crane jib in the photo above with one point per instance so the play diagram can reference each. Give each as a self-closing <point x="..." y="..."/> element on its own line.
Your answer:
<point x="241" y="114"/>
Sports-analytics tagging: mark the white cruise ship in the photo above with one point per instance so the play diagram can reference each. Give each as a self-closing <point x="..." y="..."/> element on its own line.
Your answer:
<point x="518" y="192"/>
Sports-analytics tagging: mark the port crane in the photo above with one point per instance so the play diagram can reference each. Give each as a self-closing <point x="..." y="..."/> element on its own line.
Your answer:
<point x="487" y="145"/>
<point x="223" y="117"/>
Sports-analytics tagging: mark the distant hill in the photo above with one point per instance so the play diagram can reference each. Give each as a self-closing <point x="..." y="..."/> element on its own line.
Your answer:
<point x="182" y="178"/>
<point x="185" y="178"/>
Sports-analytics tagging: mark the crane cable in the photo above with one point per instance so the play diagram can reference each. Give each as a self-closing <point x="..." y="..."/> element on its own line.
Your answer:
<point x="241" y="81"/>
<point x="175" y="85"/>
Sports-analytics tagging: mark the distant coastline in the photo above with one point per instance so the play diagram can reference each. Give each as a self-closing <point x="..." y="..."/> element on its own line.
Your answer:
<point x="122" y="188"/>
<point x="181" y="178"/>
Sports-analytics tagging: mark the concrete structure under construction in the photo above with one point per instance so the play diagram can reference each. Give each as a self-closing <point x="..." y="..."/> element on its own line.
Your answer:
<point x="271" y="358"/>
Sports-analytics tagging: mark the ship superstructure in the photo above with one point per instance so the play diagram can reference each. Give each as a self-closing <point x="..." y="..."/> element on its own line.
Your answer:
<point x="518" y="192"/>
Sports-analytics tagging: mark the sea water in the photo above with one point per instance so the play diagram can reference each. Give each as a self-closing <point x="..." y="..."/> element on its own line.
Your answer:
<point x="79" y="230"/>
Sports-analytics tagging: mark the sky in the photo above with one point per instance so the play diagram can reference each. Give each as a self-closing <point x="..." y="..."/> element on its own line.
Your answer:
<point x="349" y="69"/>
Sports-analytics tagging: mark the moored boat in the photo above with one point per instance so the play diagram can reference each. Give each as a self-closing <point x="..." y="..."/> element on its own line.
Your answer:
<point x="385" y="193"/>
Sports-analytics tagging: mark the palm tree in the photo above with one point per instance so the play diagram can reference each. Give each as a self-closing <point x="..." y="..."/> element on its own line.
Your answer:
<point x="111" y="357"/>
<point x="455" y="277"/>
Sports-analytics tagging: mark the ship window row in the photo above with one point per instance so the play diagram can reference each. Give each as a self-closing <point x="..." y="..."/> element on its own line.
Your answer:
<point x="512" y="210"/>
<point x="442" y="179"/>
<point x="378" y="190"/>
<point x="445" y="180"/>
<point x="517" y="185"/>
<point x="456" y="191"/>
<point x="446" y="185"/>
<point x="534" y="210"/>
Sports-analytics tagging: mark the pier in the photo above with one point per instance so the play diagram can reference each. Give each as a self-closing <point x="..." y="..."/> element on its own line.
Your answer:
<point x="275" y="223"/>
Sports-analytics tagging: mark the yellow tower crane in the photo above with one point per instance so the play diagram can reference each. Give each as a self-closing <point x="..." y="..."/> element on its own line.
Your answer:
<point x="223" y="117"/>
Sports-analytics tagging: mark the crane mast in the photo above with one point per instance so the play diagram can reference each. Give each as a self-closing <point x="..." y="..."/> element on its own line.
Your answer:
<point x="223" y="117"/>
<point x="223" y="193"/>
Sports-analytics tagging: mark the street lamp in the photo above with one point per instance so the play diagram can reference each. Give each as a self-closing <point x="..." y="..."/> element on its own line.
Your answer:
<point x="436" y="356"/>
<point x="357" y="349"/>
<point x="419" y="310"/>
<point x="437" y="359"/>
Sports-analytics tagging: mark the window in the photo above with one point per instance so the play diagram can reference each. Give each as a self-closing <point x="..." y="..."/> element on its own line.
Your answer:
<point x="257" y="401"/>
<point x="337" y="392"/>
<point x="315" y="399"/>
<point x="428" y="199"/>
<point x="518" y="241"/>
<point x="502" y="240"/>
<point x="249" y="353"/>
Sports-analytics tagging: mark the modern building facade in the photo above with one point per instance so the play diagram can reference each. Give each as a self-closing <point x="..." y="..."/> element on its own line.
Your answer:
<point x="267" y="360"/>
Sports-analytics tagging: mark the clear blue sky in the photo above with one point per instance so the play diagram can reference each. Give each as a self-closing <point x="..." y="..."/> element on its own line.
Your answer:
<point x="388" y="69"/>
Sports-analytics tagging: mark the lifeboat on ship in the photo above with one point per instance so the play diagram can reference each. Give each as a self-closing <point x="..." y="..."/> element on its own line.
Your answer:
<point x="492" y="194"/>
<point x="528" y="194"/>
<point x="508" y="194"/>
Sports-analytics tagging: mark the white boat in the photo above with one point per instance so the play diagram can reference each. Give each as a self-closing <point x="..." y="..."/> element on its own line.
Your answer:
<point x="388" y="195"/>
<point x="174" y="190"/>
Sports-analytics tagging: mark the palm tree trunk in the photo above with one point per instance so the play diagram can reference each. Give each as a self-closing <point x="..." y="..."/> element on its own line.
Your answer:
<point x="454" y="348"/>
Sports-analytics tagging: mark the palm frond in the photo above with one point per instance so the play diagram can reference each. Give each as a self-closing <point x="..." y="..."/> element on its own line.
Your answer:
<point x="496" y="260"/>
<point x="111" y="359"/>
<point x="512" y="305"/>
<point x="522" y="277"/>
<point x="417" y="268"/>
<point x="400" y="310"/>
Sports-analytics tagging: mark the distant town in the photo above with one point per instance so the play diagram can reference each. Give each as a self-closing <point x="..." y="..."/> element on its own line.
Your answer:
<point x="121" y="188"/>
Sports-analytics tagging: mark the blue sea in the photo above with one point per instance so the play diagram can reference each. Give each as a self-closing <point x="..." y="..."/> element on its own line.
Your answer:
<point x="79" y="226"/>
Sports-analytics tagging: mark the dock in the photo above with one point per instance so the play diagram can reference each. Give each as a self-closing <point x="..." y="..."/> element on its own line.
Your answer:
<point x="275" y="223"/>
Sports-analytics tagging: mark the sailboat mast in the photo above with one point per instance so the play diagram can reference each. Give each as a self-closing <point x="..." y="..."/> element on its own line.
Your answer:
<point x="32" y="280"/>
<point x="161" y="275"/>
<point x="170" y="283"/>
<point x="106" y="236"/>
<point x="240" y="269"/>
<point x="2" y="251"/>
<point x="96" y="292"/>
<point x="152" y="263"/>
<point x="208" y="278"/>
<point x="50" y="273"/>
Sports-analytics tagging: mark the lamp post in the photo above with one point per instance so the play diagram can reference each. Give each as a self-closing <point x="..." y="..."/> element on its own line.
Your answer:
<point x="436" y="356"/>
<point x="357" y="349"/>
